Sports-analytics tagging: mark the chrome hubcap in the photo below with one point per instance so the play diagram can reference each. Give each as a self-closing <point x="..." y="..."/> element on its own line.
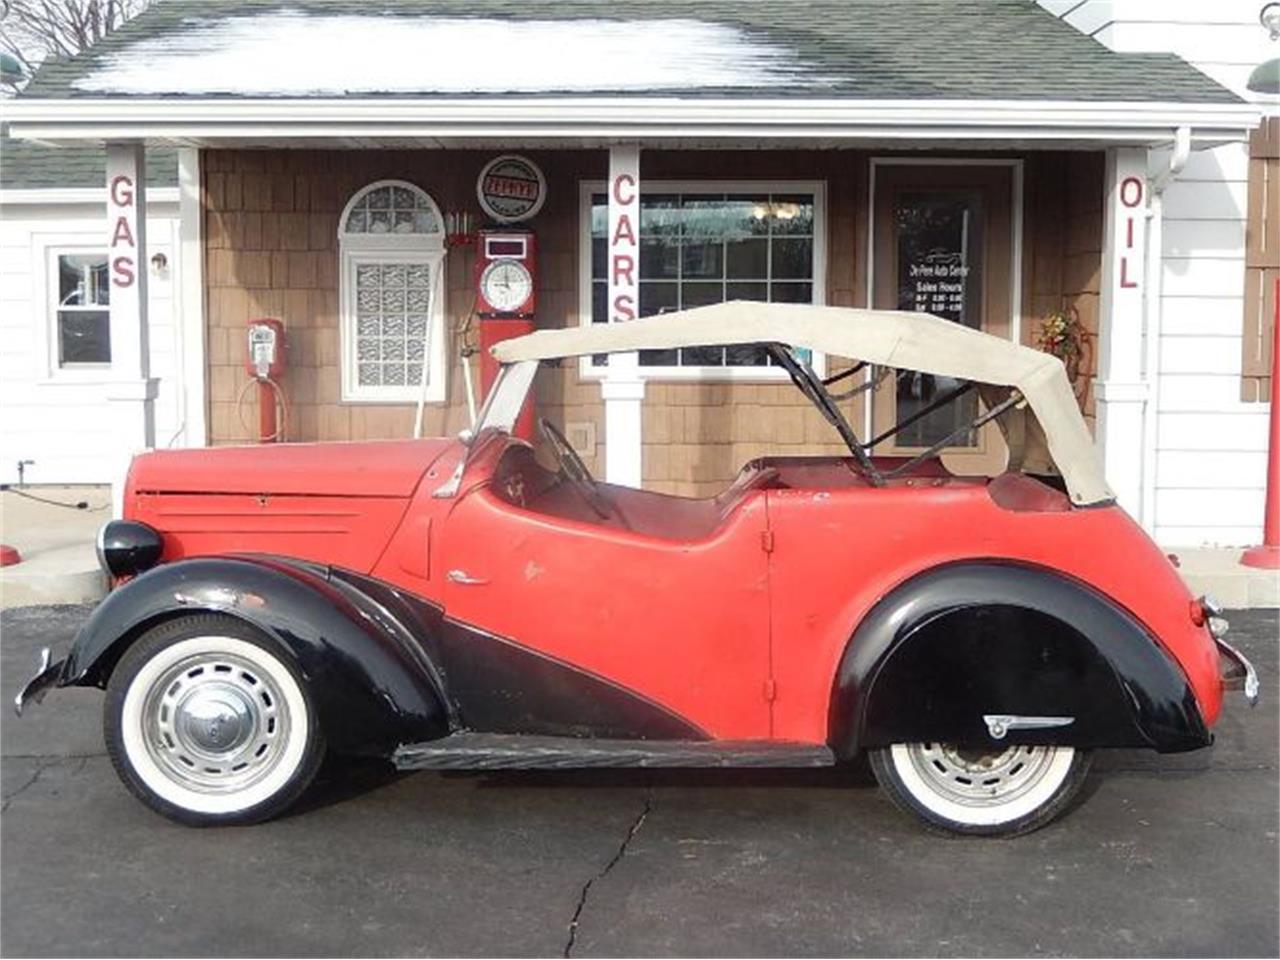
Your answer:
<point x="214" y="717"/>
<point x="215" y="723"/>
<point x="981" y="778"/>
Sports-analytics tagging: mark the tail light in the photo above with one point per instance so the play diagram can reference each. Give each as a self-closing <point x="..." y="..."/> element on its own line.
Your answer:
<point x="1206" y="611"/>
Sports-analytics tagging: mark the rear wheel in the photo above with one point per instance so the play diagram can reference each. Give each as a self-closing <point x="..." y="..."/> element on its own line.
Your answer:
<point x="1003" y="792"/>
<point x="207" y="723"/>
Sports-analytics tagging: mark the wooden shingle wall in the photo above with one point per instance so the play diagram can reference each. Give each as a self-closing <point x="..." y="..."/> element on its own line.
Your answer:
<point x="271" y="222"/>
<point x="271" y="249"/>
<point x="1262" y="260"/>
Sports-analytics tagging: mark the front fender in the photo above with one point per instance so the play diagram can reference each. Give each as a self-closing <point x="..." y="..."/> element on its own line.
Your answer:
<point x="374" y="687"/>
<point x="972" y="639"/>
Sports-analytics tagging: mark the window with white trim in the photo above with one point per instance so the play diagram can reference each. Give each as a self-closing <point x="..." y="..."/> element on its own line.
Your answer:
<point x="391" y="241"/>
<point x="704" y="245"/>
<point x="81" y="311"/>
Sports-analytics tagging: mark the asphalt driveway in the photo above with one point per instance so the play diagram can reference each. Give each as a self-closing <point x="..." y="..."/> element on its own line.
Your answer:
<point x="1173" y="856"/>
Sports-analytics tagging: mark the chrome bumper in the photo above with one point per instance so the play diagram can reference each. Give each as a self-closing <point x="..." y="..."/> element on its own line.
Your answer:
<point x="46" y="676"/>
<point x="1236" y="671"/>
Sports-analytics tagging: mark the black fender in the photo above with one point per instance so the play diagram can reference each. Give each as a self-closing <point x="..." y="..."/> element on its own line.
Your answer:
<point x="361" y="656"/>
<point x="971" y="639"/>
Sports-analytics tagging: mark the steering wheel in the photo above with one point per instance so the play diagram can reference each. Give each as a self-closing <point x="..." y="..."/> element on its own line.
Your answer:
<point x="574" y="470"/>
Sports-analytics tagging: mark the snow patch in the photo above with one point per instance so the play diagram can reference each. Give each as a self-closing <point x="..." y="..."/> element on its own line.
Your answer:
<point x="289" y="53"/>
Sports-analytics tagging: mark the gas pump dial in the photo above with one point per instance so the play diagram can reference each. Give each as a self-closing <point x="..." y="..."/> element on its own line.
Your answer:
<point x="505" y="270"/>
<point x="507" y="285"/>
<point x="506" y="298"/>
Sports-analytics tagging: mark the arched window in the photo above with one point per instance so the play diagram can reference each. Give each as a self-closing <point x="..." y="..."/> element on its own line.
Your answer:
<point x="391" y="241"/>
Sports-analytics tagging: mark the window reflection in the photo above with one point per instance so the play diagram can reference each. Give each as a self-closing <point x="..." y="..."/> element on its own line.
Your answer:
<point x="83" y="314"/>
<point x="698" y="249"/>
<point x="939" y="266"/>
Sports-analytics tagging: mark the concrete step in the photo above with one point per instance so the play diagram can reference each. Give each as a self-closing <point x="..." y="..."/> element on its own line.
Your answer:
<point x="1219" y="573"/>
<point x="59" y="563"/>
<point x="60" y="575"/>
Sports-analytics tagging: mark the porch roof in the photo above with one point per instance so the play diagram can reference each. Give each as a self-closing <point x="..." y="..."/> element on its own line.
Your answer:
<point x="30" y="166"/>
<point x="447" y="72"/>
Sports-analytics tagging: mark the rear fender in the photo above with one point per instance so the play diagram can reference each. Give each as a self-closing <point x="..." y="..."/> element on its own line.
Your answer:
<point x="373" y="684"/>
<point x="973" y="640"/>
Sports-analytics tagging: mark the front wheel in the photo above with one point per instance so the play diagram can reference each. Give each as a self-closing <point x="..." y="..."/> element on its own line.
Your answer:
<point x="207" y="723"/>
<point x="982" y="792"/>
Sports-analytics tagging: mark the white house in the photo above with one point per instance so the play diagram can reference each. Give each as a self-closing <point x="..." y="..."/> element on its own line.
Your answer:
<point x="1095" y="154"/>
<point x="1209" y="445"/>
<point x="57" y="419"/>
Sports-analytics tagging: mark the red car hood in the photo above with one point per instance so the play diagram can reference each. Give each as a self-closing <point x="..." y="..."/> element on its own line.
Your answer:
<point x="380" y="468"/>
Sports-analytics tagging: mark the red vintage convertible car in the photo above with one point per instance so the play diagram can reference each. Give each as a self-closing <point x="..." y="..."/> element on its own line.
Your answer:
<point x="453" y="603"/>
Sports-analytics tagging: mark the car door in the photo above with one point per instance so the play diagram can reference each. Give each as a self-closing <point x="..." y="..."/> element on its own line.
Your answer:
<point x="596" y="613"/>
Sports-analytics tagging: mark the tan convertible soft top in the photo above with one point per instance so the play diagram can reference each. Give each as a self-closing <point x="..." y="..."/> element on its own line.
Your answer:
<point x="890" y="338"/>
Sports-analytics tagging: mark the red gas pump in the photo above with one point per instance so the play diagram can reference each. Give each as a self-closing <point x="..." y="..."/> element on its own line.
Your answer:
<point x="506" y="298"/>
<point x="264" y="362"/>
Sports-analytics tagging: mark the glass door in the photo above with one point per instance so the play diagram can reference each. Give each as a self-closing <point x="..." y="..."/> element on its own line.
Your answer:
<point x="943" y="245"/>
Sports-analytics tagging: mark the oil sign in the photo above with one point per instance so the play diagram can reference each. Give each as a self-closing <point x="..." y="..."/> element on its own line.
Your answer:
<point x="1131" y="191"/>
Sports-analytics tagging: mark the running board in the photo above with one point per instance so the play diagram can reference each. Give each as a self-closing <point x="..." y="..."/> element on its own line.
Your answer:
<point x="507" y="751"/>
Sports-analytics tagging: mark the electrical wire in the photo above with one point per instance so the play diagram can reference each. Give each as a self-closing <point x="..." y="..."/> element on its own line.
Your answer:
<point x="284" y="409"/>
<point x="78" y="505"/>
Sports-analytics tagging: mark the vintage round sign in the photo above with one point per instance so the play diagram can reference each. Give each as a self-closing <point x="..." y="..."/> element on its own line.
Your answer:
<point x="511" y="188"/>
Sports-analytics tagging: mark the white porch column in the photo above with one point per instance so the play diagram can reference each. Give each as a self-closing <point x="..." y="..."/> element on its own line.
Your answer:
<point x="132" y="390"/>
<point x="1122" y="388"/>
<point x="622" y="388"/>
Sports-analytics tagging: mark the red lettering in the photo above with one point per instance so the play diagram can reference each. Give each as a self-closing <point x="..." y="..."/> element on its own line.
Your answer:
<point x="509" y="187"/>
<point x="122" y="272"/>
<point x="1124" y="274"/>
<point x="122" y="191"/>
<point x="624" y="266"/>
<point x="1129" y="234"/>
<point x="623" y="232"/>
<point x="122" y="232"/>
<point x="1131" y="191"/>
<point x="627" y="180"/>
<point x="624" y="307"/>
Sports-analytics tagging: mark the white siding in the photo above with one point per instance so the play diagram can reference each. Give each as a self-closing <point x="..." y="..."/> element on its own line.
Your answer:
<point x="1222" y="38"/>
<point x="1210" y="448"/>
<point x="60" y="423"/>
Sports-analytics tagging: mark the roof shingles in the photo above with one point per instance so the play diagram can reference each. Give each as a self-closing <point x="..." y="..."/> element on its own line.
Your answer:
<point x="30" y="166"/>
<point x="860" y="49"/>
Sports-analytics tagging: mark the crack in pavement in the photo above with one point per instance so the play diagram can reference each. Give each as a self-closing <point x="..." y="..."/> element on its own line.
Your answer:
<point x="52" y="760"/>
<point x="52" y="756"/>
<point x="617" y="857"/>
<point x="31" y="782"/>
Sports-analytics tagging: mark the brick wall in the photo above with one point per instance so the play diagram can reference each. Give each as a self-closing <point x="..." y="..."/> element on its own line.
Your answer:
<point x="271" y="221"/>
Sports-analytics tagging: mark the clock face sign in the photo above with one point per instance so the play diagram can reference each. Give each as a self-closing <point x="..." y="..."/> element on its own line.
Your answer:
<point x="511" y="189"/>
<point x="506" y="285"/>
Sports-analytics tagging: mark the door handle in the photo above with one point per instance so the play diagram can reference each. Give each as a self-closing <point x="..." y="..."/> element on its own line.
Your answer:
<point x="462" y="577"/>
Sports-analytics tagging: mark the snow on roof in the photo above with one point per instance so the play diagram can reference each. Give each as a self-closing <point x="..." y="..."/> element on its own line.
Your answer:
<point x="291" y="53"/>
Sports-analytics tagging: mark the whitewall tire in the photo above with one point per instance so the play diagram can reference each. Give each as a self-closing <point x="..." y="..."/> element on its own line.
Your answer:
<point x="207" y="722"/>
<point x="998" y="792"/>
